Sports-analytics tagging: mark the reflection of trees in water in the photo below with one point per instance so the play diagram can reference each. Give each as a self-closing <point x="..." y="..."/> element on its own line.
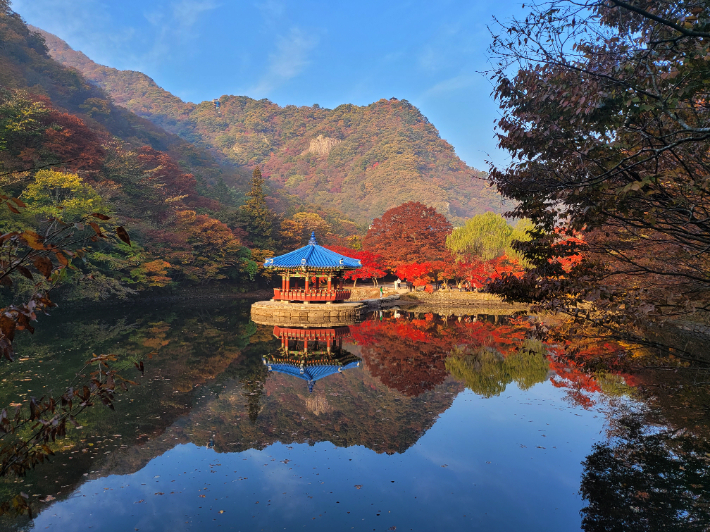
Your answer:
<point x="410" y="355"/>
<point x="408" y="364"/>
<point x="251" y="374"/>
<point x="486" y="372"/>
<point x="318" y="404"/>
<point x="645" y="481"/>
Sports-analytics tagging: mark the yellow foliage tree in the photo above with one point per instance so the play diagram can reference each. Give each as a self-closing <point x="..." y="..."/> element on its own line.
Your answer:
<point x="62" y="195"/>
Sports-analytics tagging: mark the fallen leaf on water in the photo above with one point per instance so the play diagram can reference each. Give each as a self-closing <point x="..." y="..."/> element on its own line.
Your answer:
<point x="358" y="486"/>
<point x="221" y="511"/>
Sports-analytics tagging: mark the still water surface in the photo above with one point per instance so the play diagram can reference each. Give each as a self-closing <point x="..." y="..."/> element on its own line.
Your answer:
<point x="214" y="439"/>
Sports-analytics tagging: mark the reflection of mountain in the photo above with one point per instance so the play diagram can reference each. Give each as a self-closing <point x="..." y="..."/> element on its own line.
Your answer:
<point x="208" y="383"/>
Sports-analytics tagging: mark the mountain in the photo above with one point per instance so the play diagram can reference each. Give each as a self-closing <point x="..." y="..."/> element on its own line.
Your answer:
<point x="24" y="64"/>
<point x="68" y="151"/>
<point x="361" y="160"/>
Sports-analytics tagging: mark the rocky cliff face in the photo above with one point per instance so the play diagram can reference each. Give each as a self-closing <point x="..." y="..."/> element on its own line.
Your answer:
<point x="321" y="145"/>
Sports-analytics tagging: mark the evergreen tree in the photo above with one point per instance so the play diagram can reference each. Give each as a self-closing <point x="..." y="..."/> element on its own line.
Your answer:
<point x="255" y="217"/>
<point x="225" y="195"/>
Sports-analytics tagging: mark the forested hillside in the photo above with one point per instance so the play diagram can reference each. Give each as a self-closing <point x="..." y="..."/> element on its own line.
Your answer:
<point x="25" y="64"/>
<point x="360" y="160"/>
<point x="77" y="166"/>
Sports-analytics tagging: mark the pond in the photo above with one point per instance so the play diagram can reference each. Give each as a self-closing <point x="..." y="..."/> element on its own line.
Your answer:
<point x="403" y="422"/>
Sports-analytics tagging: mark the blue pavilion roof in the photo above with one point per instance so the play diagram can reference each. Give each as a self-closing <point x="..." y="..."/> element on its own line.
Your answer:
<point x="314" y="256"/>
<point x="310" y="374"/>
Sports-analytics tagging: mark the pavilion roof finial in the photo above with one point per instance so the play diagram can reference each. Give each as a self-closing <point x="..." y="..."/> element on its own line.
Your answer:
<point x="312" y="241"/>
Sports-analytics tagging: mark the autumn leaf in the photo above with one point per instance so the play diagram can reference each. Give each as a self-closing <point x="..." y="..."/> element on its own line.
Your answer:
<point x="32" y="239"/>
<point x="44" y="266"/>
<point x="7" y="326"/>
<point x="100" y="216"/>
<point x="62" y="259"/>
<point x="123" y="234"/>
<point x="96" y="228"/>
<point x="24" y="271"/>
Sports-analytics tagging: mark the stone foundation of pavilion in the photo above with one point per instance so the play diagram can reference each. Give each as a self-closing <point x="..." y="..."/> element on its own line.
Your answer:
<point x="306" y="315"/>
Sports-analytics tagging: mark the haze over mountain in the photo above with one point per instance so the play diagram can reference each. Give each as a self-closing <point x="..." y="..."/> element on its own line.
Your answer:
<point x="361" y="160"/>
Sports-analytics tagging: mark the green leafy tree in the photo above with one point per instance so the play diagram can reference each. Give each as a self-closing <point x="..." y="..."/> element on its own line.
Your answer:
<point x="485" y="236"/>
<point x="488" y="236"/>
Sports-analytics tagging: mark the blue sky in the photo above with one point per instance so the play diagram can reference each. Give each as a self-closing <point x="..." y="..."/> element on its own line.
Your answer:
<point x="301" y="52"/>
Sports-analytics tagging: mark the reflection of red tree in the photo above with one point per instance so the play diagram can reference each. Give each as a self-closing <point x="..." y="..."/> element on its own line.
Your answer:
<point x="402" y="356"/>
<point x="409" y="355"/>
<point x="574" y="366"/>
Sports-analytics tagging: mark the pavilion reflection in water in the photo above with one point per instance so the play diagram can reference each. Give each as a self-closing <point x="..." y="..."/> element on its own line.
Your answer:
<point x="311" y="354"/>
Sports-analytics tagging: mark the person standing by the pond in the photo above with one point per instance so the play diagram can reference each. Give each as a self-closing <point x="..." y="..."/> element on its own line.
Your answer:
<point x="381" y="292"/>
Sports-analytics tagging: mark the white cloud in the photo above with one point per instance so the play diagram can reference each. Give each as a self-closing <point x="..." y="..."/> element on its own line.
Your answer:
<point x="174" y="27"/>
<point x="272" y="9"/>
<point x="290" y="58"/>
<point x="462" y="81"/>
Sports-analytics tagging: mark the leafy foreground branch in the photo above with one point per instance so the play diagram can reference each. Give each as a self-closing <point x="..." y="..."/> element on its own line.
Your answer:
<point x="45" y="258"/>
<point x="605" y="115"/>
<point x="26" y="436"/>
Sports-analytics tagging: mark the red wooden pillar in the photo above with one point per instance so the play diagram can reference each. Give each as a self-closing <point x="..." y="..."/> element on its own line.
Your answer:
<point x="307" y="283"/>
<point x="283" y="282"/>
<point x="288" y="282"/>
<point x="329" y="282"/>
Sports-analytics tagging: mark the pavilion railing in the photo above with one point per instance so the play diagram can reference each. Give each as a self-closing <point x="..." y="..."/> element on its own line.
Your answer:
<point x="311" y="295"/>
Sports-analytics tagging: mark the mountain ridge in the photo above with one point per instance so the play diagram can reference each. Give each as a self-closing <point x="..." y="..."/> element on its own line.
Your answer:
<point x="379" y="155"/>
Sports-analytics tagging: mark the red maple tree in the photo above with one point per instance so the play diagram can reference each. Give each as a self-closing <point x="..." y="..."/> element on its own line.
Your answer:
<point x="409" y="233"/>
<point x="372" y="264"/>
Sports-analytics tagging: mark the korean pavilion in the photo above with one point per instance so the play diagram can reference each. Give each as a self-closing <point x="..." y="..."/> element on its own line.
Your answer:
<point x="312" y="274"/>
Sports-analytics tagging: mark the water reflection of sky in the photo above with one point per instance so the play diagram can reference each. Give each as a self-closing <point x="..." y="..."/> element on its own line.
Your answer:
<point x="510" y="462"/>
